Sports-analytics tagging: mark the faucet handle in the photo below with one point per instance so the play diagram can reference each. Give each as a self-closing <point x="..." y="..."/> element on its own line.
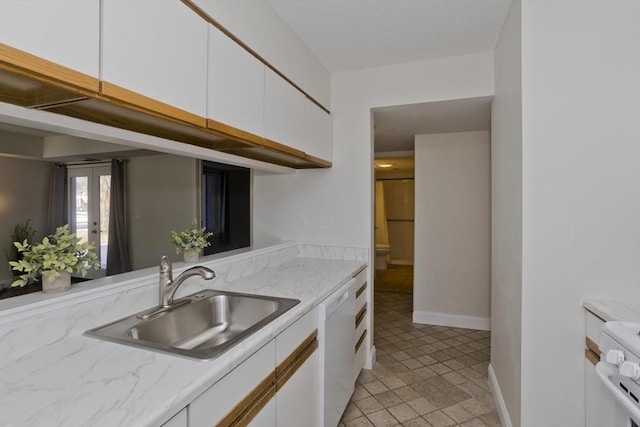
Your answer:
<point x="165" y="265"/>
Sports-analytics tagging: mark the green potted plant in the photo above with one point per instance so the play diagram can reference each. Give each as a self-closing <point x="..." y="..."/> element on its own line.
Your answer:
<point x="21" y="233"/>
<point x="55" y="258"/>
<point x="191" y="241"/>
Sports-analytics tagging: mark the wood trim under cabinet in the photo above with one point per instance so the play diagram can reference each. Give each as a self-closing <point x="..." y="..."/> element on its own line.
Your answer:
<point x="361" y="340"/>
<point x="249" y="407"/>
<point x="361" y="314"/>
<point x="204" y="15"/>
<point x="591" y="356"/>
<point x="361" y="289"/>
<point x="318" y="161"/>
<point x="592" y="346"/>
<point x="24" y="63"/>
<point x="143" y="103"/>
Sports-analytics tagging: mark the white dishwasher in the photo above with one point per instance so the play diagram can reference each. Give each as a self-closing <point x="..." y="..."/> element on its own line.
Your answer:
<point x="336" y="323"/>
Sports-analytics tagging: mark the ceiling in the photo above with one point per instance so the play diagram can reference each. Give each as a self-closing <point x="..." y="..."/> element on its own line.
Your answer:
<point x="355" y="34"/>
<point x="395" y="127"/>
<point x="394" y="165"/>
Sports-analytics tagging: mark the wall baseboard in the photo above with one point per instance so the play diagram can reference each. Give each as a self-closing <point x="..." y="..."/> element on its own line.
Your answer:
<point x="452" y="320"/>
<point x="501" y="407"/>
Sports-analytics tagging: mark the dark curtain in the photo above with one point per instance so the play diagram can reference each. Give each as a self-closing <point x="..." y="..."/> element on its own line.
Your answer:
<point x="118" y="260"/>
<point x="58" y="207"/>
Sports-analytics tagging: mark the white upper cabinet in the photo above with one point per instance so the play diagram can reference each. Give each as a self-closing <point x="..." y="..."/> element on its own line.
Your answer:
<point x="318" y="132"/>
<point x="156" y="48"/>
<point x="64" y="32"/>
<point x="235" y="94"/>
<point x="284" y="112"/>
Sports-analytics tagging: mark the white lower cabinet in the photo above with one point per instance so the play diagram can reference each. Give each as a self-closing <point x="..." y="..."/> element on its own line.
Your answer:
<point x="297" y="400"/>
<point x="214" y="405"/>
<point x="178" y="420"/>
<point x="276" y="386"/>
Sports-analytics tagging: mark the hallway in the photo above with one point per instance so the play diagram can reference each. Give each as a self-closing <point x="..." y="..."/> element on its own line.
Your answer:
<point x="424" y="375"/>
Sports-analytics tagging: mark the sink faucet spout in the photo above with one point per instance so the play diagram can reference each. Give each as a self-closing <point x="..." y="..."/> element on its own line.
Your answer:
<point x="168" y="286"/>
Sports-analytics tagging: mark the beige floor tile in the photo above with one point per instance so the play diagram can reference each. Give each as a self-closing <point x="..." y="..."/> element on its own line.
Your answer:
<point x="368" y="405"/>
<point x="360" y="392"/>
<point x="417" y="422"/>
<point x="382" y="418"/>
<point x="351" y="412"/>
<point x="476" y="422"/>
<point x="393" y="382"/>
<point x="402" y="412"/>
<point x="388" y="399"/>
<point x="375" y="387"/>
<point x="358" y="422"/>
<point x="439" y="419"/>
<point x="422" y="406"/>
<point x="458" y="413"/>
<point x="425" y="375"/>
<point x="475" y="407"/>
<point x="407" y="393"/>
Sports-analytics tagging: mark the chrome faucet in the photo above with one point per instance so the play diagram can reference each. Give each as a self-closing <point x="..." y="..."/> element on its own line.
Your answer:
<point x="168" y="286"/>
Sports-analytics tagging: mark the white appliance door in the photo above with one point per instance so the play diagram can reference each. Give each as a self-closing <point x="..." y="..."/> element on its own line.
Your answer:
<point x="339" y="374"/>
<point x="614" y="408"/>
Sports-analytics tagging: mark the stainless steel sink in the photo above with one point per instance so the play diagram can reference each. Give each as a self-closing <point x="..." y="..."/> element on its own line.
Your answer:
<point x="199" y="326"/>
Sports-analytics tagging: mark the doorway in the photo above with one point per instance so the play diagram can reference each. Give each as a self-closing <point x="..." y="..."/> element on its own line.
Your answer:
<point x="89" y="190"/>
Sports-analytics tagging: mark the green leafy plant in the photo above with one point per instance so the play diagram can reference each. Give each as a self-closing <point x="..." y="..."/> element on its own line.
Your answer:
<point x="191" y="239"/>
<point x="60" y="251"/>
<point x="21" y="232"/>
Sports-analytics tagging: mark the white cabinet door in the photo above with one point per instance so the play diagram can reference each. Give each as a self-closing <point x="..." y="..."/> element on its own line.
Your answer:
<point x="266" y="417"/>
<point x="156" y="48"/>
<point x="318" y="141"/>
<point x="215" y="403"/>
<point x="284" y="112"/>
<point x="297" y="402"/>
<point x="235" y="94"/>
<point x="66" y="32"/>
<point x="178" y="420"/>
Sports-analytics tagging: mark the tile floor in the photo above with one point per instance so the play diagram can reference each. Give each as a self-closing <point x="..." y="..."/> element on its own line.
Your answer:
<point x="424" y="376"/>
<point x="396" y="278"/>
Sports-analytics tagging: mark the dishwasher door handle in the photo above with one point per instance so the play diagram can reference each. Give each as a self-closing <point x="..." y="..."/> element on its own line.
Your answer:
<point x="333" y="303"/>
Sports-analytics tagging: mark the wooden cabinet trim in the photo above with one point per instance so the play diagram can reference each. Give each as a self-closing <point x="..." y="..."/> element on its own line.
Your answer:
<point x="360" y="315"/>
<point x="248" y="408"/>
<point x="591" y="356"/>
<point x="232" y="132"/>
<point x="204" y="15"/>
<point x="144" y="103"/>
<point x="318" y="161"/>
<point x="295" y="354"/>
<point x="361" y="340"/>
<point x="285" y="375"/>
<point x="592" y="346"/>
<point x="24" y="63"/>
<point x="361" y="289"/>
<point x="283" y="148"/>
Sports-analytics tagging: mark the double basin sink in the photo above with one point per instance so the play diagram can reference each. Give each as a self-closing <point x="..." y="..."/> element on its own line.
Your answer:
<point x="200" y="326"/>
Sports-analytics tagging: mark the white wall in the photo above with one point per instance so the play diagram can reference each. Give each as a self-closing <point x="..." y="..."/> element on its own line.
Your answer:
<point x="24" y="194"/>
<point x="451" y="284"/>
<point x="581" y="188"/>
<point x="163" y="195"/>
<point x="506" y="216"/>
<point x="344" y="193"/>
<point x="262" y="29"/>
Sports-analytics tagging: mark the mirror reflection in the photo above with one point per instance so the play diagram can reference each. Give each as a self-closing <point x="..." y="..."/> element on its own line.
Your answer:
<point x="125" y="200"/>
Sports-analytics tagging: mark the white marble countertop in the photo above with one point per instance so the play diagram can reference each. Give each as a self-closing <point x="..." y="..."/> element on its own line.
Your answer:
<point x="81" y="381"/>
<point x="609" y="310"/>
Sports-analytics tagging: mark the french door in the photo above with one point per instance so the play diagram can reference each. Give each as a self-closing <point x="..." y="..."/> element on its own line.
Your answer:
<point x="89" y="195"/>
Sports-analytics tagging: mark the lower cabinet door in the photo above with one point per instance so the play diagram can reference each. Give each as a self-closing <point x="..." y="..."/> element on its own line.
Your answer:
<point x="178" y="420"/>
<point x="266" y="417"/>
<point x="297" y="400"/>
<point x="235" y="394"/>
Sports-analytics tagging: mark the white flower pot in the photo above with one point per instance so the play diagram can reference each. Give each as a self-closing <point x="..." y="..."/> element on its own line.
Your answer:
<point x="191" y="257"/>
<point x="61" y="283"/>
